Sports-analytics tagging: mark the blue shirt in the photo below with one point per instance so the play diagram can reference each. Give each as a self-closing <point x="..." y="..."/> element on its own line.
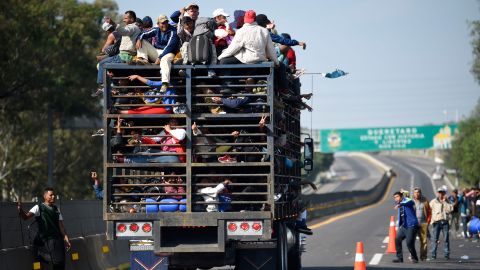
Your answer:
<point x="170" y="91"/>
<point x="409" y="217"/>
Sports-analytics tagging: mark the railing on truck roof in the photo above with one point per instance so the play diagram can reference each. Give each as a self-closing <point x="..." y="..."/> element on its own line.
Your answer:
<point x="267" y="159"/>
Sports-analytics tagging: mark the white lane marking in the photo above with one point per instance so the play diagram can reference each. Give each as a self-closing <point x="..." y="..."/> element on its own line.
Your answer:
<point x="427" y="174"/>
<point x="385" y="241"/>
<point x="376" y="259"/>
<point x="411" y="183"/>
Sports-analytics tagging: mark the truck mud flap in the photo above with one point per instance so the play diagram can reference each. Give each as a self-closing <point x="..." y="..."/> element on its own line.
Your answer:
<point x="256" y="259"/>
<point x="147" y="260"/>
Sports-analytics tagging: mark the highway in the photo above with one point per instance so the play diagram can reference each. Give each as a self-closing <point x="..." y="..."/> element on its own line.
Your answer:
<point x="353" y="172"/>
<point x="333" y="244"/>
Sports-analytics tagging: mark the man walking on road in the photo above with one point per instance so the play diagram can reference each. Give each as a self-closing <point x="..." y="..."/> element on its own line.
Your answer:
<point x="441" y="208"/>
<point x="51" y="231"/>
<point x="407" y="226"/>
<point x="424" y="214"/>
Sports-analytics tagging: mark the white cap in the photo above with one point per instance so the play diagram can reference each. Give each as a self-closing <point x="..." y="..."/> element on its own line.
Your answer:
<point x="219" y="11"/>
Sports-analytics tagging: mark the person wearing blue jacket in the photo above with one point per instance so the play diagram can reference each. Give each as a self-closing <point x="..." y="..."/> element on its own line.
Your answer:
<point x="162" y="52"/>
<point x="407" y="226"/>
<point x="234" y="104"/>
<point x="263" y="21"/>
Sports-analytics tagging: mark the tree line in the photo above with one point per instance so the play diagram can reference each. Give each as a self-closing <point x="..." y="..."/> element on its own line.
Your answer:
<point x="47" y="60"/>
<point x="465" y="153"/>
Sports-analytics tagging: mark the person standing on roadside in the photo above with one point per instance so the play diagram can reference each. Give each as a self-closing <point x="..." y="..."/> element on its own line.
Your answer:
<point x="454" y="221"/>
<point x="441" y="208"/>
<point x="464" y="211"/>
<point x="407" y="226"/>
<point x="424" y="214"/>
<point x="51" y="231"/>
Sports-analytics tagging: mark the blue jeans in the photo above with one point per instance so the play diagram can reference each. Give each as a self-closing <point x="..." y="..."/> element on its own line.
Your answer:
<point x="441" y="226"/>
<point x="111" y="59"/>
<point x="152" y="159"/>
<point x="464" y="226"/>
<point x="98" y="192"/>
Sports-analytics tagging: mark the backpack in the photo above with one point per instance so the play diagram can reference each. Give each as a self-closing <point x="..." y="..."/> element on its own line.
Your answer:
<point x="200" y="49"/>
<point x="33" y="230"/>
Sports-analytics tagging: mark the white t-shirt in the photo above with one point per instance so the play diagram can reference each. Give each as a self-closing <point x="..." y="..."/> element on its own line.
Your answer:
<point x="36" y="211"/>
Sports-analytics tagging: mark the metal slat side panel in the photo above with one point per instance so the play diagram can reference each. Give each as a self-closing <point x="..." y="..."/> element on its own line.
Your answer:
<point x="270" y="141"/>
<point x="188" y="168"/>
<point x="106" y="143"/>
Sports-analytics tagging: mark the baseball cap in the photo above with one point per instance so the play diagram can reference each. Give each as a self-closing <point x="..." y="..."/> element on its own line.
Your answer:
<point x="250" y="16"/>
<point x="106" y="26"/>
<point x="220" y="11"/>
<point x="192" y="5"/>
<point x="441" y="189"/>
<point x="162" y="18"/>
<point x="262" y="20"/>
<point x="147" y="21"/>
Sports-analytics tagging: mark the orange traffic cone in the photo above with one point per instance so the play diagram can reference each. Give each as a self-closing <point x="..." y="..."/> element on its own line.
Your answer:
<point x="392" y="234"/>
<point x="359" y="259"/>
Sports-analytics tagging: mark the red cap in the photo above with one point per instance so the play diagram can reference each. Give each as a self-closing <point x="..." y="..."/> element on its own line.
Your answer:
<point x="250" y="16"/>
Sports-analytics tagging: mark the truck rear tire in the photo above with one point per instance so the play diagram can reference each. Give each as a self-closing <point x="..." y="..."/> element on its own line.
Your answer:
<point x="282" y="247"/>
<point x="295" y="255"/>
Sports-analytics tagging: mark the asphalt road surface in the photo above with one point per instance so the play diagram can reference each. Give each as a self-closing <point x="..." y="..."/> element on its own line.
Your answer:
<point x="333" y="244"/>
<point x="354" y="173"/>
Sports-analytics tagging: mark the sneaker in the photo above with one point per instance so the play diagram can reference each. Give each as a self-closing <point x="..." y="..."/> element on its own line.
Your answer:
<point x="227" y="159"/>
<point x="397" y="260"/>
<point x="431" y="259"/>
<point x="98" y="92"/>
<point x="98" y="133"/>
<point x="211" y="73"/>
<point x="140" y="61"/>
<point x="414" y="261"/>
<point x="304" y="230"/>
<point x="164" y="87"/>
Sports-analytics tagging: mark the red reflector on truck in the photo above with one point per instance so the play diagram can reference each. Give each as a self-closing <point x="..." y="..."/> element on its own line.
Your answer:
<point x="122" y="228"/>
<point x="232" y="227"/>
<point x="134" y="227"/>
<point x="244" y="226"/>
<point x="256" y="226"/>
<point x="147" y="227"/>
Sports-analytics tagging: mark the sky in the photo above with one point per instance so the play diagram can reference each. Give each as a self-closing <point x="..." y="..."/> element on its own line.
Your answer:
<point x="409" y="61"/>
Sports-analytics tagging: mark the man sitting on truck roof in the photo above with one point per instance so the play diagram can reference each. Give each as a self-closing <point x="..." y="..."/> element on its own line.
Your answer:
<point x="163" y="51"/>
<point x="251" y="44"/>
<point x="129" y="34"/>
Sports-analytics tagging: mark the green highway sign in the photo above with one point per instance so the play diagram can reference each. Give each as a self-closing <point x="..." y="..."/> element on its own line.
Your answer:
<point x="387" y="138"/>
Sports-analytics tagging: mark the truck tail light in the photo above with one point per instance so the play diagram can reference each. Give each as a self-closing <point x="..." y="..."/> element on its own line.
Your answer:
<point x="147" y="227"/>
<point x="122" y="228"/>
<point x="257" y="226"/>
<point x="134" y="227"/>
<point x="244" y="226"/>
<point x="232" y="227"/>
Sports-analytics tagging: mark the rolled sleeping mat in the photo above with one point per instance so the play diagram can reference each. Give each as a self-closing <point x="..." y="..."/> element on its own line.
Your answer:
<point x="169" y="207"/>
<point x="183" y="207"/>
<point x="474" y="226"/>
<point x="151" y="208"/>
